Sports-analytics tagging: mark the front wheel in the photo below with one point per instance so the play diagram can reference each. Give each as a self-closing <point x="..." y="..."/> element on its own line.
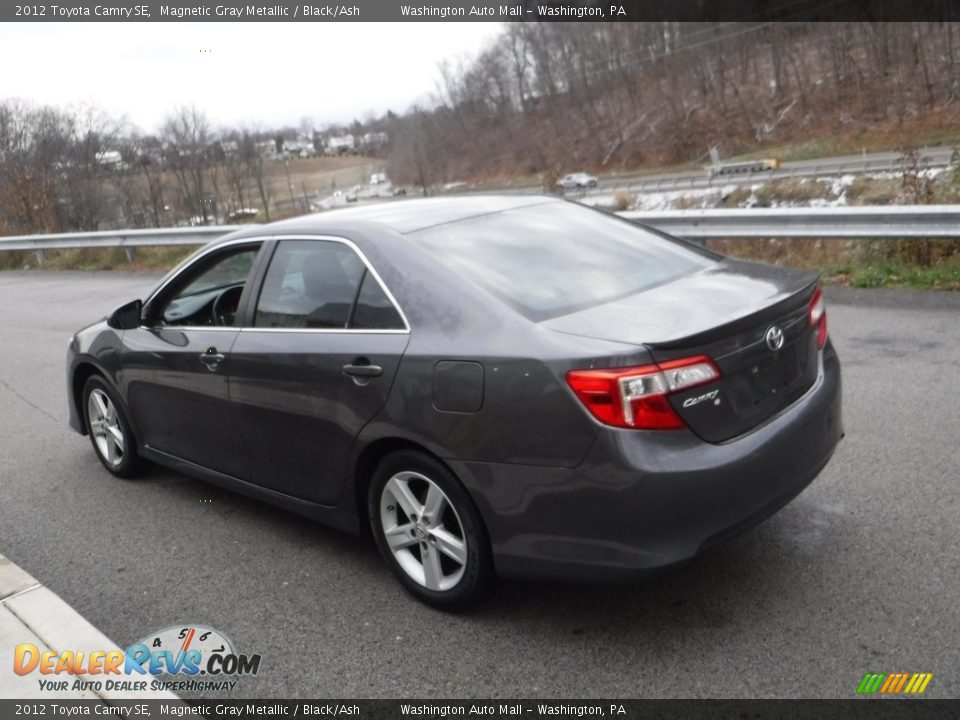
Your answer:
<point x="428" y="531"/>
<point x="109" y="429"/>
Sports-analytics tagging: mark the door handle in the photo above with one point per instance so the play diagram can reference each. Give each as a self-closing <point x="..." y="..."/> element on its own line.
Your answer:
<point x="362" y="370"/>
<point x="211" y="359"/>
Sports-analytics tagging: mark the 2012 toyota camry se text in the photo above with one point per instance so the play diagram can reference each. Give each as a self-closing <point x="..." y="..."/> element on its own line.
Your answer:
<point x="494" y="386"/>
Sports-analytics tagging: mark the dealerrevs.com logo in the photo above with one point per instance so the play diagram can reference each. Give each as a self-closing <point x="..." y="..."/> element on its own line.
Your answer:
<point x="178" y="658"/>
<point x="894" y="683"/>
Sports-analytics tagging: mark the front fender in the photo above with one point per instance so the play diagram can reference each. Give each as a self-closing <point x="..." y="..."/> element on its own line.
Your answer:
<point x="95" y="350"/>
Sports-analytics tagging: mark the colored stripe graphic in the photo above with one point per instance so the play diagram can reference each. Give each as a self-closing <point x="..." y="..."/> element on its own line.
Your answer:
<point x="894" y="683"/>
<point x="913" y="683"/>
<point x="890" y="682"/>
<point x="870" y="683"/>
<point x="901" y="682"/>
<point x="922" y="685"/>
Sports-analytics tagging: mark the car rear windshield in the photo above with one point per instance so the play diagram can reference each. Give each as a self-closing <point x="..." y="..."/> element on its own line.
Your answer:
<point x="556" y="258"/>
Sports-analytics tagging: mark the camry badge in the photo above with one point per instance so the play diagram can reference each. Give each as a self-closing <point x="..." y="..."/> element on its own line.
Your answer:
<point x="696" y="400"/>
<point x="774" y="338"/>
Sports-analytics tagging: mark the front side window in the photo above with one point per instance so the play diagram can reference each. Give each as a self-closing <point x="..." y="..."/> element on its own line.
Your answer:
<point x="320" y="284"/>
<point x="210" y="295"/>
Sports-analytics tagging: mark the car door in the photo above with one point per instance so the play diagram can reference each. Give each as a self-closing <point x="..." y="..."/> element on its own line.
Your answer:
<point x="176" y="363"/>
<point x="315" y="366"/>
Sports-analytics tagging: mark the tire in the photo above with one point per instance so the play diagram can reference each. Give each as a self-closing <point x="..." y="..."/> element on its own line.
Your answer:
<point x="109" y="429"/>
<point x="442" y="559"/>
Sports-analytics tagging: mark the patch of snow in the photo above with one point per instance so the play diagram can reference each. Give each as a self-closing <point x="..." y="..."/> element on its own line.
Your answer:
<point x="712" y="197"/>
<point x="838" y="186"/>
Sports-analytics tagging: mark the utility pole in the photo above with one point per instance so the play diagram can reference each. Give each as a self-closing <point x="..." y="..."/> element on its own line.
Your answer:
<point x="286" y="166"/>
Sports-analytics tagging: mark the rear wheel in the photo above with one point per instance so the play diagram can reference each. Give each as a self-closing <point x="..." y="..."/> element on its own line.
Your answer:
<point x="428" y="530"/>
<point x="109" y="429"/>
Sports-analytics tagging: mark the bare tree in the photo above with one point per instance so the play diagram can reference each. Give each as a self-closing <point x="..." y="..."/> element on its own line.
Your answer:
<point x="187" y="137"/>
<point x="91" y="156"/>
<point x="33" y="145"/>
<point x="252" y="159"/>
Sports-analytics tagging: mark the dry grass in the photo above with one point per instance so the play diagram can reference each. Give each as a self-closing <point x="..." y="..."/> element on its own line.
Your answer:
<point x="688" y="202"/>
<point x="807" y="254"/>
<point x="147" y="258"/>
<point x="320" y="174"/>
<point x="936" y="128"/>
<point x="792" y="191"/>
<point x="928" y="264"/>
<point x="736" y="198"/>
<point x="622" y="199"/>
<point x="874" y="191"/>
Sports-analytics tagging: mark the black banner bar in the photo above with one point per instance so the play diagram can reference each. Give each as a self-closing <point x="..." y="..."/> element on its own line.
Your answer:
<point x="858" y="709"/>
<point x="479" y="10"/>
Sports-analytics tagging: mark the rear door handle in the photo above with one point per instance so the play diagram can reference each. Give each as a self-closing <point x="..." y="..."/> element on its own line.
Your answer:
<point x="362" y="370"/>
<point x="211" y="359"/>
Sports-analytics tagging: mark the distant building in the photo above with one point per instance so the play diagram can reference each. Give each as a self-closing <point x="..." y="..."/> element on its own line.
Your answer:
<point x="341" y="144"/>
<point x="301" y="147"/>
<point x="374" y="140"/>
<point x="110" y="158"/>
<point x="267" y="149"/>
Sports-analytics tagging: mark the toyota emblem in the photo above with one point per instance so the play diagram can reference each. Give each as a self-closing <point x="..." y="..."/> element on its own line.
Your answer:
<point x="774" y="338"/>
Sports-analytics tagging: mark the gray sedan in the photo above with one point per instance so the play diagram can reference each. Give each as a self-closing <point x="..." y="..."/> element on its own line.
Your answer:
<point x="490" y="386"/>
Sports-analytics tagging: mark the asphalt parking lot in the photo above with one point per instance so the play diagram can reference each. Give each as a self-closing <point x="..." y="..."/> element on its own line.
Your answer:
<point x="860" y="573"/>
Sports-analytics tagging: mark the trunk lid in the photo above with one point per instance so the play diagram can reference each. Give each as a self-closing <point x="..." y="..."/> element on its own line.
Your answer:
<point x="724" y="313"/>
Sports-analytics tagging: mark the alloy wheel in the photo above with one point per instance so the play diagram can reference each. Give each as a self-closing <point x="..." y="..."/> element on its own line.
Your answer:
<point x="105" y="427"/>
<point x="423" y="531"/>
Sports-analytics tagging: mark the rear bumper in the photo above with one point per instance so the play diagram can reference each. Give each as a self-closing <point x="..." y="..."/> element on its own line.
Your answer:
<point x="640" y="501"/>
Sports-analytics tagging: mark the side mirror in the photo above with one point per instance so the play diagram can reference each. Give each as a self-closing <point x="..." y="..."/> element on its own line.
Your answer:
<point x="126" y="317"/>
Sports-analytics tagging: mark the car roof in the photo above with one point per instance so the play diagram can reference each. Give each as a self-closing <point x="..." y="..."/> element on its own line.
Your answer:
<point x="405" y="216"/>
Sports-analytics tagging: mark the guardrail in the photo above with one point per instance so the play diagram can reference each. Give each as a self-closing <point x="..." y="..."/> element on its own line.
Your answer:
<point x="127" y="239"/>
<point x="902" y="221"/>
<point x="898" y="221"/>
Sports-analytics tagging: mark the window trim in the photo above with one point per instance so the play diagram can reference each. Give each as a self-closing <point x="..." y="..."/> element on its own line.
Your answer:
<point x="275" y="241"/>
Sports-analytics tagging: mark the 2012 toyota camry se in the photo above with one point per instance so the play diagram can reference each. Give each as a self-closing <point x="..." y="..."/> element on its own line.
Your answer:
<point x="494" y="386"/>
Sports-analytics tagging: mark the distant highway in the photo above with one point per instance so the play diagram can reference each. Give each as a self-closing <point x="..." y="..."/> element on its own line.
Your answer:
<point x="886" y="161"/>
<point x="873" y="162"/>
<point x="639" y="183"/>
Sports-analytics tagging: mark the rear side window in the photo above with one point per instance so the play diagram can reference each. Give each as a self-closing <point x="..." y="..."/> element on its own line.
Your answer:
<point x="555" y="258"/>
<point x="322" y="285"/>
<point x="374" y="310"/>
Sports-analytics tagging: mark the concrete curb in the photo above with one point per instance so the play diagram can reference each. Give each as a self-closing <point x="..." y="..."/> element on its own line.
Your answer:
<point x="32" y="613"/>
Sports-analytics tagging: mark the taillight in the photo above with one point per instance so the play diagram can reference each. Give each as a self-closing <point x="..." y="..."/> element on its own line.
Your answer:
<point x="817" y="317"/>
<point x="636" y="397"/>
